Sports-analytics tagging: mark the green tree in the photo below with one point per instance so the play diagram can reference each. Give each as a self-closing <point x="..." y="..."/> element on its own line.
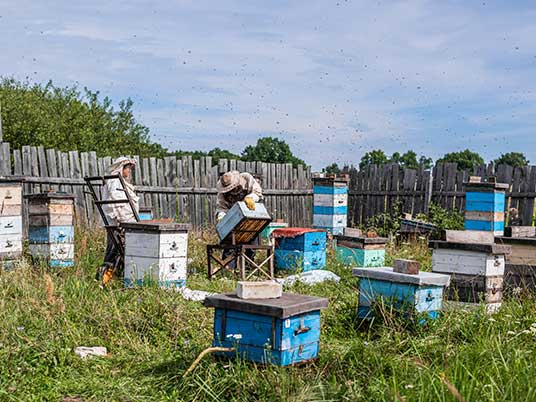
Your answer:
<point x="465" y="159"/>
<point x="71" y="119"/>
<point x="332" y="169"/>
<point x="426" y="162"/>
<point x="409" y="160"/>
<point x="272" y="150"/>
<point x="375" y="157"/>
<point x="514" y="159"/>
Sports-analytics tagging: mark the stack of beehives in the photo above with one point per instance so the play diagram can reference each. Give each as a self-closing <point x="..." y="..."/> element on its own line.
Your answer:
<point x="51" y="228"/>
<point x="10" y="223"/>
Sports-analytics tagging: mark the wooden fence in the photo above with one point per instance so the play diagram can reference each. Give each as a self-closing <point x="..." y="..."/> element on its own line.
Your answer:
<point x="388" y="188"/>
<point x="183" y="189"/>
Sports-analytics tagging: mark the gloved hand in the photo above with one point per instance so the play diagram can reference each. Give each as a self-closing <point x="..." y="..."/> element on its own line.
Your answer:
<point x="250" y="203"/>
<point x="220" y="216"/>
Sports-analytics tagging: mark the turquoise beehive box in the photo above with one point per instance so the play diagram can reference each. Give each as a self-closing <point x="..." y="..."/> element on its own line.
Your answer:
<point x="485" y="204"/>
<point x="361" y="251"/>
<point x="410" y="294"/>
<point x="300" y="249"/>
<point x="280" y="331"/>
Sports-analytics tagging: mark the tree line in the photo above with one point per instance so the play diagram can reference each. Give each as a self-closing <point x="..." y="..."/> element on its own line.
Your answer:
<point x="68" y="118"/>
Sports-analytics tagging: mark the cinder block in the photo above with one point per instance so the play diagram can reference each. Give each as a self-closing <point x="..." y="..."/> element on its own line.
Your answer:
<point x="406" y="266"/>
<point x="259" y="290"/>
<point x="352" y="232"/>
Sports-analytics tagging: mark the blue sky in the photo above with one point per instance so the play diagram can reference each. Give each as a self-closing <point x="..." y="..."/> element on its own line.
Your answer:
<point x="332" y="78"/>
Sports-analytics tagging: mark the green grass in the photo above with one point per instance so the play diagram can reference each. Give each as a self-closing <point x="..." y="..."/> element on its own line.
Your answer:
<point x="154" y="335"/>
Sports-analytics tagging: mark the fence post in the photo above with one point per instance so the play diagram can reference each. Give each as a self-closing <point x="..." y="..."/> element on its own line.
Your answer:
<point x="1" y="134"/>
<point x="428" y="193"/>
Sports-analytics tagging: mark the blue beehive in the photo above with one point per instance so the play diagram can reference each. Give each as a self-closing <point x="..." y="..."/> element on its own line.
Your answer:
<point x="280" y="331"/>
<point x="330" y="204"/>
<point x="300" y="248"/>
<point x="361" y="251"/>
<point x="484" y="206"/>
<point x="51" y="228"/>
<point x="146" y="213"/>
<point x="410" y="293"/>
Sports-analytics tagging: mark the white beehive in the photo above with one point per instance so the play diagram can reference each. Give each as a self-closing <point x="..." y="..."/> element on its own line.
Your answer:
<point x="476" y="270"/>
<point x="10" y="223"/>
<point x="156" y="253"/>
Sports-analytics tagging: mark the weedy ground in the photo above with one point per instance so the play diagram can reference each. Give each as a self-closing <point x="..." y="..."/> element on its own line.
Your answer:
<point x="153" y="335"/>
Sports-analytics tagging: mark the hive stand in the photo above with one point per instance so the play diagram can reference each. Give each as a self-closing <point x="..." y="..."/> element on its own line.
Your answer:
<point x="114" y="230"/>
<point x="239" y="228"/>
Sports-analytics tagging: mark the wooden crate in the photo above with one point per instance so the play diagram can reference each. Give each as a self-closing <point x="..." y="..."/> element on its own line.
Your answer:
<point x="242" y="223"/>
<point x="156" y="253"/>
<point x="282" y="331"/>
<point x="361" y="251"/>
<point x="484" y="206"/>
<point x="411" y="294"/>
<point x="51" y="228"/>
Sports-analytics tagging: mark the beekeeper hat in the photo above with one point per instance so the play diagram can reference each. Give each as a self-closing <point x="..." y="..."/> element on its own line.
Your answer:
<point x="229" y="181"/>
<point x="119" y="163"/>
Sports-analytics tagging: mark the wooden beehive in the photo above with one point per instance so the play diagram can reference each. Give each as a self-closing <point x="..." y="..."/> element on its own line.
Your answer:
<point x="361" y="251"/>
<point x="146" y="213"/>
<point x="476" y="270"/>
<point x="520" y="268"/>
<point x="484" y="206"/>
<point x="242" y="223"/>
<point x="420" y="293"/>
<point x="330" y="204"/>
<point x="10" y="222"/>
<point x="281" y="331"/>
<point x="51" y="228"/>
<point x="156" y="253"/>
<point x="303" y="252"/>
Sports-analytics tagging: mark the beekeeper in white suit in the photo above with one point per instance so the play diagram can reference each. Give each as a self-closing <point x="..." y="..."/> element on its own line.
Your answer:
<point x="234" y="186"/>
<point x="117" y="213"/>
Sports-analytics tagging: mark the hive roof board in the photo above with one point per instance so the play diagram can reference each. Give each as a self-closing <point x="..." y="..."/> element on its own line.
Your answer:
<point x="387" y="274"/>
<point x="486" y="186"/>
<point x="51" y="195"/>
<point x="156" y="227"/>
<point x="288" y="305"/>
<point x="479" y="248"/>
<point x="244" y="223"/>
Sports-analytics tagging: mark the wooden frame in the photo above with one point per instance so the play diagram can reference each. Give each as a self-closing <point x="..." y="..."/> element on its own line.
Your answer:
<point x="241" y="261"/>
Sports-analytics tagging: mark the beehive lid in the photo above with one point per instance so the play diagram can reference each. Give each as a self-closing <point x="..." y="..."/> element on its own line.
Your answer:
<point x="293" y="232"/>
<point x="289" y="304"/>
<point x="387" y="274"/>
<point x="486" y="186"/>
<point x="10" y="180"/>
<point x="330" y="181"/>
<point x="476" y="247"/>
<point x="58" y="195"/>
<point x="248" y="224"/>
<point x="529" y="241"/>
<point x="145" y="226"/>
<point x="363" y="240"/>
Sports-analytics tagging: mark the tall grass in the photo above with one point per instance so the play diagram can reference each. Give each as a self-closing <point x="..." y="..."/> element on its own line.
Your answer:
<point x="153" y="335"/>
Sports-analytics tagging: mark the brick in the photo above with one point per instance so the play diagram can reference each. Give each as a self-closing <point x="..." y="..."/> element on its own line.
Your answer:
<point x="259" y="290"/>
<point x="406" y="266"/>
